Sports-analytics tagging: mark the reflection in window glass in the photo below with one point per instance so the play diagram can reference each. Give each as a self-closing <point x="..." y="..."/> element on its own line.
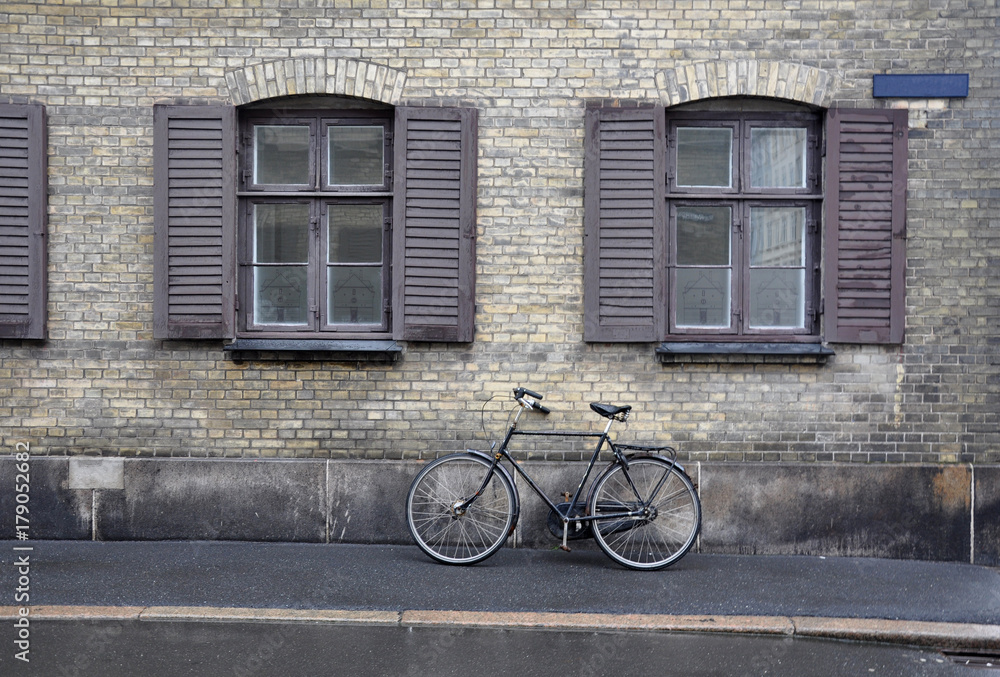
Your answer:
<point x="281" y="154"/>
<point x="777" y="298"/>
<point x="356" y="155"/>
<point x="705" y="157"/>
<point x="703" y="297"/>
<point x="703" y="236"/>
<point x="777" y="260"/>
<point x="354" y="263"/>
<point x="355" y="294"/>
<point x="778" y="157"/>
<point x="281" y="255"/>
<point x="704" y="239"/>
<point x="355" y="233"/>
<point x="281" y="233"/>
<point x="777" y="236"/>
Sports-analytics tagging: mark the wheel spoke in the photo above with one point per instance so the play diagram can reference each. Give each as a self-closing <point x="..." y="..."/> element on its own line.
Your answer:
<point x="667" y="530"/>
<point x="469" y="535"/>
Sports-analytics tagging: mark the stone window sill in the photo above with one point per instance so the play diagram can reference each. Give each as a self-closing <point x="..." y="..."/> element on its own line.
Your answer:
<point x="315" y="350"/>
<point x="743" y="352"/>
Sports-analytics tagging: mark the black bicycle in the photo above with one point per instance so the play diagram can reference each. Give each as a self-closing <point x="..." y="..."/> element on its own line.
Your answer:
<point x="642" y="510"/>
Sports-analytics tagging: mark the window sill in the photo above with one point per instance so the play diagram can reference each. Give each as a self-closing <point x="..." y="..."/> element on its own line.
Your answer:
<point x="337" y="350"/>
<point x="743" y="352"/>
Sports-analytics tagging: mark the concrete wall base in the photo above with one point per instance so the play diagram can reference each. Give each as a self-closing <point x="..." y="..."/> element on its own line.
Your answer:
<point x="940" y="512"/>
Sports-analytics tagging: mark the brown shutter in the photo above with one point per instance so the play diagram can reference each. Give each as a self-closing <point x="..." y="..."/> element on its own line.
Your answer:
<point x="194" y="220"/>
<point x="434" y="224"/>
<point x="624" y="225"/>
<point x="23" y="181"/>
<point x="866" y="226"/>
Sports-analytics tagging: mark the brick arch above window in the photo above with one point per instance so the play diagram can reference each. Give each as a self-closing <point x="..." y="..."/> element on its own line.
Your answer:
<point x="749" y="77"/>
<point x="291" y="77"/>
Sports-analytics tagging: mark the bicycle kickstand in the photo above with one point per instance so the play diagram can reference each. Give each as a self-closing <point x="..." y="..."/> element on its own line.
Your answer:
<point x="564" y="547"/>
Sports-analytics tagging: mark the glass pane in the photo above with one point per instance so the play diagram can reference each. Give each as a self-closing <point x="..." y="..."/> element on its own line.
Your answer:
<point x="280" y="294"/>
<point x="777" y="298"/>
<point x="703" y="236"/>
<point x="356" y="155"/>
<point x="777" y="236"/>
<point x="281" y="154"/>
<point x="705" y="156"/>
<point x="281" y="233"/>
<point x="355" y="294"/>
<point x="355" y="233"/>
<point x="703" y="298"/>
<point x="778" y="157"/>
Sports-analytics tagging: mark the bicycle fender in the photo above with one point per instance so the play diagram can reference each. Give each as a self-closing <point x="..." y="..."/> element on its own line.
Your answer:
<point x="510" y="480"/>
<point x="590" y="493"/>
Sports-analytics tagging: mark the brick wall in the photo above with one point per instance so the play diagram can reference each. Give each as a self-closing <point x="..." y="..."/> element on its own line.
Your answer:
<point x="102" y="384"/>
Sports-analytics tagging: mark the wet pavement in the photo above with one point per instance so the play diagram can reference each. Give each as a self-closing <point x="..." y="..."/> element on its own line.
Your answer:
<point x="208" y="607"/>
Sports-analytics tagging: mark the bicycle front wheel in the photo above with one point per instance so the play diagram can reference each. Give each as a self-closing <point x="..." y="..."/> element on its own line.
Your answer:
<point x="449" y="531"/>
<point x="669" y="522"/>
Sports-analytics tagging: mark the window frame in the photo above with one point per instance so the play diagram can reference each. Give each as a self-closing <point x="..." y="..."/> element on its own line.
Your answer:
<point x="741" y="197"/>
<point x="320" y="194"/>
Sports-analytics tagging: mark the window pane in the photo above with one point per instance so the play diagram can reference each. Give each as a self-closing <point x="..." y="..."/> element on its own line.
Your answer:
<point x="281" y="233"/>
<point x="777" y="236"/>
<point x="281" y="154"/>
<point x="356" y="155"/>
<point x="704" y="156"/>
<point x="355" y="233"/>
<point x="777" y="298"/>
<point x="280" y="294"/>
<point x="703" y="236"/>
<point x="355" y="294"/>
<point x="703" y="298"/>
<point x="778" y="157"/>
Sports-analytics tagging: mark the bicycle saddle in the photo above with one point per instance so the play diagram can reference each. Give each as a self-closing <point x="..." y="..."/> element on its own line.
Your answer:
<point x="609" y="410"/>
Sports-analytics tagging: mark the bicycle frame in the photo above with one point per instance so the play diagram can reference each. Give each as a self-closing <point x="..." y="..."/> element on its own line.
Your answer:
<point x="567" y="518"/>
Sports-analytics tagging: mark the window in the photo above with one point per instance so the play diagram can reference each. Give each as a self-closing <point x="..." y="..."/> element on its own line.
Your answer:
<point x="330" y="222"/>
<point x="743" y="242"/>
<point x="316" y="205"/>
<point x="740" y="224"/>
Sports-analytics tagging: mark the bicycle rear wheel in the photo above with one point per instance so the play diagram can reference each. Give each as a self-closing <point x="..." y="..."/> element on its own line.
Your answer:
<point x="443" y="529"/>
<point x="669" y="525"/>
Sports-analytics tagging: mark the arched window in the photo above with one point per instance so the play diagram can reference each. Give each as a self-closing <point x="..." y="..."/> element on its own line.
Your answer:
<point x="712" y="222"/>
<point x="315" y="218"/>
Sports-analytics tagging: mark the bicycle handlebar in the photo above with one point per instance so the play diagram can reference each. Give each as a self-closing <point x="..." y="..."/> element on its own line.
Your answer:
<point x="521" y="392"/>
<point x="531" y="403"/>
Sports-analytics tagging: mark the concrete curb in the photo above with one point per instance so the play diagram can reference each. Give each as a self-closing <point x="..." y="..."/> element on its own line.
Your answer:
<point x="912" y="633"/>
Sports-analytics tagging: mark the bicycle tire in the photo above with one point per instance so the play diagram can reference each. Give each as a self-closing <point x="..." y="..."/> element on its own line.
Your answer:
<point x="472" y="535"/>
<point x="665" y="534"/>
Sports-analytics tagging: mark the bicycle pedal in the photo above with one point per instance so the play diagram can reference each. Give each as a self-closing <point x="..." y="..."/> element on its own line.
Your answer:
<point x="577" y="530"/>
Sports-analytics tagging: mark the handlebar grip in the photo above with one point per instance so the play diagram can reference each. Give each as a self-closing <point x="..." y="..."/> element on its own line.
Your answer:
<point x="544" y="410"/>
<point x="521" y="392"/>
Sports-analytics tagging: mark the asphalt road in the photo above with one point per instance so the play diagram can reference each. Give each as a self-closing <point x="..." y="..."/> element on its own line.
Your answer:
<point x="158" y="649"/>
<point x="313" y="576"/>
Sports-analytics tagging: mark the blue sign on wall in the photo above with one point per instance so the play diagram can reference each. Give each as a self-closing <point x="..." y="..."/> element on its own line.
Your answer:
<point x="916" y="86"/>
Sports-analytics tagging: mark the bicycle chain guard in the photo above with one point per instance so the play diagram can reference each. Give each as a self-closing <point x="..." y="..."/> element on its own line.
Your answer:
<point x="577" y="530"/>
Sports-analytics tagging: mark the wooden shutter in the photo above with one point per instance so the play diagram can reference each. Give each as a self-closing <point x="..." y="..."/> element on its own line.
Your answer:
<point x="23" y="181"/>
<point x="434" y="224"/>
<point x="624" y="225"/>
<point x="866" y="225"/>
<point x="194" y="217"/>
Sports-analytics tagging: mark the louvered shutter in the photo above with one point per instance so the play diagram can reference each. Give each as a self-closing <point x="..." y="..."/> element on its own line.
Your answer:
<point x="866" y="225"/>
<point x="434" y="224"/>
<point x="624" y="225"/>
<point x="23" y="180"/>
<point x="194" y="217"/>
